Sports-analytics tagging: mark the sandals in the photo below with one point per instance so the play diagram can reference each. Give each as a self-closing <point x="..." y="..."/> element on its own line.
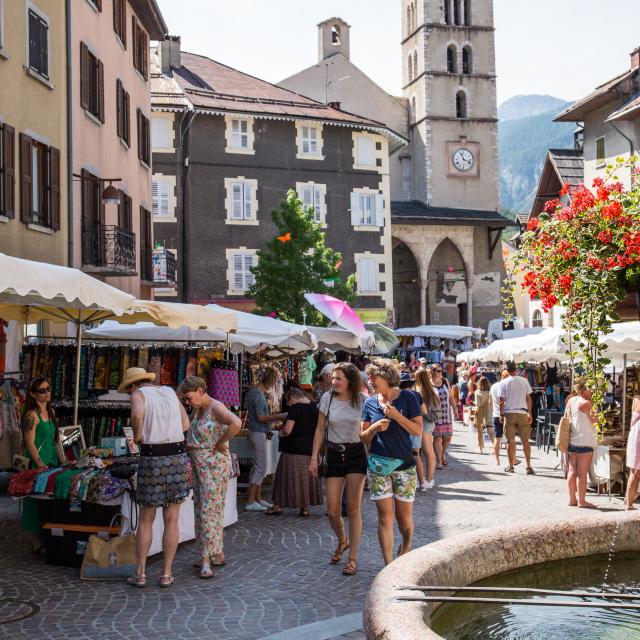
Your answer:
<point x="206" y="573"/>
<point x="509" y="469"/>
<point x="530" y="471"/>
<point x="273" y="511"/>
<point x="213" y="563"/>
<point x="139" y="582"/>
<point x="339" y="552"/>
<point x="351" y="568"/>
<point x="304" y="513"/>
<point x="629" y="507"/>
<point x="165" y="581"/>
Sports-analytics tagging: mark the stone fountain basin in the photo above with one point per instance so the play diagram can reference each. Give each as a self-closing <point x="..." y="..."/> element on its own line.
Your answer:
<point x="465" y="559"/>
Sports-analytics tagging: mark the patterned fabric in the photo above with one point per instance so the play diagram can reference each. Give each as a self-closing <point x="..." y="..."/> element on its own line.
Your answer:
<point x="211" y="473"/>
<point x="444" y="416"/>
<point x="400" y="485"/>
<point x="293" y="486"/>
<point x="443" y="430"/>
<point x="224" y="386"/>
<point x="163" y="480"/>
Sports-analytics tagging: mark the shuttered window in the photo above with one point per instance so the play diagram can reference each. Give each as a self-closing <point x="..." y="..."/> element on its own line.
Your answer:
<point x="7" y="170"/>
<point x="160" y="193"/>
<point x="240" y="134"/>
<point x="241" y="201"/>
<point x="123" y="113"/>
<point x="140" y="47"/>
<point x="92" y="218"/>
<point x="160" y="133"/>
<point x="120" y="20"/>
<point x="368" y="277"/>
<point x="367" y="210"/>
<point x="146" y="245"/>
<point x="242" y="277"/>
<point x="125" y="213"/>
<point x="310" y="140"/>
<point x="364" y="152"/>
<point x="144" y="138"/>
<point x="39" y="183"/>
<point x="91" y="83"/>
<point x="38" y="44"/>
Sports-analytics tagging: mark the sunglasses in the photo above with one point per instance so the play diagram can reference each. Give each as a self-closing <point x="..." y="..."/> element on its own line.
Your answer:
<point x="43" y="390"/>
<point x="436" y="370"/>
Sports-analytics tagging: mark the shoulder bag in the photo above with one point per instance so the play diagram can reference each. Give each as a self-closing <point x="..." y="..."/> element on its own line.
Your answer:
<point x="323" y="465"/>
<point x="112" y="559"/>
<point x="563" y="432"/>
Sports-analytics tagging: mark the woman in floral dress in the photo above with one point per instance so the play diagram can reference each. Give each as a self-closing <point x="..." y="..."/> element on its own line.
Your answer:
<point x="212" y="426"/>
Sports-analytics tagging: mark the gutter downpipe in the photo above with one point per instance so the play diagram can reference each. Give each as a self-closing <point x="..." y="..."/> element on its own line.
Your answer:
<point x="184" y="169"/>
<point x="69" y="74"/>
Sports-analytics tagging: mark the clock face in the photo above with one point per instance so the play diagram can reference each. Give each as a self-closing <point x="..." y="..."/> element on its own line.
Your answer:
<point x="463" y="159"/>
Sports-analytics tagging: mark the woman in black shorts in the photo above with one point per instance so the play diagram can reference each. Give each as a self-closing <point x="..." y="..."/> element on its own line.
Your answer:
<point x="340" y="411"/>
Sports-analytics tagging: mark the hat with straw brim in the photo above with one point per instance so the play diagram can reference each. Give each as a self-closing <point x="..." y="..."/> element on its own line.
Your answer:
<point x="135" y="374"/>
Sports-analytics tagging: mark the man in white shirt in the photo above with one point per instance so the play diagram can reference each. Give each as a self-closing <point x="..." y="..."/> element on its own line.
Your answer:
<point x="494" y="392"/>
<point x="516" y="409"/>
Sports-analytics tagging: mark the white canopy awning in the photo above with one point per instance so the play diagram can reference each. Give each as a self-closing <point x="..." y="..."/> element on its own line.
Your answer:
<point x="444" y="331"/>
<point x="176" y="315"/>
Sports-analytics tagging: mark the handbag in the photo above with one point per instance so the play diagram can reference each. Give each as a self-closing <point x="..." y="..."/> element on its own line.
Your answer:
<point x="112" y="559"/>
<point x="323" y="466"/>
<point x="381" y="465"/>
<point x="563" y="432"/>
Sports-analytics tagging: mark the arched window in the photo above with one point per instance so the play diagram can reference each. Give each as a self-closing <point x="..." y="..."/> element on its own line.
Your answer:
<point x="409" y="20"/>
<point x="467" y="65"/>
<point x="461" y="104"/>
<point x="447" y="11"/>
<point x="415" y="64"/>
<point x="467" y="12"/>
<point x="335" y="35"/>
<point x="452" y="54"/>
<point x="536" y="318"/>
<point x="456" y="12"/>
<point x="410" y="68"/>
<point x="413" y="109"/>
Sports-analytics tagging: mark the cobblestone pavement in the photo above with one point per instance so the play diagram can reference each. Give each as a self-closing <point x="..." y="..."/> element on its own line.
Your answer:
<point x="277" y="576"/>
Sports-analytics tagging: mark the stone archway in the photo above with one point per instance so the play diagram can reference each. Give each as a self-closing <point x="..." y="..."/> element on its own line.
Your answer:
<point x="447" y="286"/>
<point x="407" y="285"/>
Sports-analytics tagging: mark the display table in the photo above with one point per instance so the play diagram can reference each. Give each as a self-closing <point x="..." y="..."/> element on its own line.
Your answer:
<point x="241" y="446"/>
<point x="186" y="523"/>
<point x="608" y="465"/>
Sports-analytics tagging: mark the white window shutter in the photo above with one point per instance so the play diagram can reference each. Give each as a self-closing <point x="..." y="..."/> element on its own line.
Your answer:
<point x="317" y="203"/>
<point x="247" y="201"/>
<point x="364" y="151"/>
<point x="236" y="205"/>
<point x="154" y="197"/>
<point x="307" y="197"/>
<point x="159" y="132"/>
<point x="379" y="211"/>
<point x="163" y="198"/>
<point x="238" y="281"/>
<point x="235" y="133"/>
<point x="355" y="211"/>
<point x="249" y="278"/>
<point x="368" y="275"/>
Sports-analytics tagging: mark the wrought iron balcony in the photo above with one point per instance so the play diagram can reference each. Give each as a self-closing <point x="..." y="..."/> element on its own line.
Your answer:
<point x="109" y="250"/>
<point x="164" y="267"/>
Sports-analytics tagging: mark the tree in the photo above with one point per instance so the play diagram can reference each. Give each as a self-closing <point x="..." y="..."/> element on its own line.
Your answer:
<point x="296" y="262"/>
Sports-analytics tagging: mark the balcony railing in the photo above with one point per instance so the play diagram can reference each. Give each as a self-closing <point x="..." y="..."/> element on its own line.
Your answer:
<point x="109" y="250"/>
<point x="164" y="267"/>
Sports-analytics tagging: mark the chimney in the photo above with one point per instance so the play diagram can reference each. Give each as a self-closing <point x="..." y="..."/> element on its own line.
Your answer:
<point x="333" y="37"/>
<point x="635" y="58"/>
<point x="335" y="105"/>
<point x="170" y="54"/>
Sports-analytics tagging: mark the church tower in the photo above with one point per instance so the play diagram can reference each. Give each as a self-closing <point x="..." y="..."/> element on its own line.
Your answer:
<point x="449" y="79"/>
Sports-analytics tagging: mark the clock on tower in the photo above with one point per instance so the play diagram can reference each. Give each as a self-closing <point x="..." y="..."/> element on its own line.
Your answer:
<point x="463" y="159"/>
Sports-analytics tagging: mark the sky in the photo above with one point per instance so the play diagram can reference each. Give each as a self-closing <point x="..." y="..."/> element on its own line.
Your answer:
<point x="554" y="47"/>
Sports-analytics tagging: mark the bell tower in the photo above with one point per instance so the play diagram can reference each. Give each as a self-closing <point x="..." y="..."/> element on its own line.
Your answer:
<point x="449" y="79"/>
<point x="333" y="37"/>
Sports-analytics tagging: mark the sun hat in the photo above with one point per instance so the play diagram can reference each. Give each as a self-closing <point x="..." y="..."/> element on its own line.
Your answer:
<point x="328" y="368"/>
<point x="134" y="374"/>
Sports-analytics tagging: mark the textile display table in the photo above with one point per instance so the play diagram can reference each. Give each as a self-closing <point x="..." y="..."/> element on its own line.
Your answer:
<point x="186" y="523"/>
<point x="241" y="446"/>
<point x="609" y="464"/>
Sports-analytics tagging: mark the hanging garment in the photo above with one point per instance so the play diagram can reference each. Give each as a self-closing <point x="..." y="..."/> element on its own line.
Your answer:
<point x="143" y="358"/>
<point x="224" y="386"/>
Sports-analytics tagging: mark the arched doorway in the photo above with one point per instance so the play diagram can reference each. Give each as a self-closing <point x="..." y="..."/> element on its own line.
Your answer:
<point x="447" y="286"/>
<point x="406" y="285"/>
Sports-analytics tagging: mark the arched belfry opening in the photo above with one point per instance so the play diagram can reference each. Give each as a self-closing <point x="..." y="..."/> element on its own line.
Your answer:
<point x="447" y="286"/>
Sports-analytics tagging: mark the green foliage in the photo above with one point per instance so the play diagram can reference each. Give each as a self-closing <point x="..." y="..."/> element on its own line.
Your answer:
<point x="300" y="264"/>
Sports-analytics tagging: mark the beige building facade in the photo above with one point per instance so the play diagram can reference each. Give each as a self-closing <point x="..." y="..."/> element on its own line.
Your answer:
<point x="110" y="102"/>
<point x="33" y="130"/>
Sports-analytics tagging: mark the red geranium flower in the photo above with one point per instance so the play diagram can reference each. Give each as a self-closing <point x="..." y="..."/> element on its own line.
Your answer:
<point x="612" y="211"/>
<point x="595" y="263"/>
<point x="605" y="237"/>
<point x="533" y="224"/>
<point x="566" y="187"/>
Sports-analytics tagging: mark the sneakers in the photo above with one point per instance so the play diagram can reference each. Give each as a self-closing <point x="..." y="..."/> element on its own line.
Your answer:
<point x="425" y="486"/>
<point x="255" y="506"/>
<point x="266" y="504"/>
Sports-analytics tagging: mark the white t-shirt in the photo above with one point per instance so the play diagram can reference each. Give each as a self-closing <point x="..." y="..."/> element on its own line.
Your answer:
<point x="514" y="390"/>
<point x="495" y="397"/>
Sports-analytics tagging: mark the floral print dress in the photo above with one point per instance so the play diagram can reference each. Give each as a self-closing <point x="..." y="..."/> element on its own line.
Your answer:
<point x="211" y="472"/>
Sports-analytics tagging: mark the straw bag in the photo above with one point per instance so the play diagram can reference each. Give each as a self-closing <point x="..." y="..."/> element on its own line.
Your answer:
<point x="113" y="559"/>
<point x="563" y="432"/>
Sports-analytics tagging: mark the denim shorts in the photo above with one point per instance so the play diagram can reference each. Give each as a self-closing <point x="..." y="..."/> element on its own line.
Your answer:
<point x="573" y="449"/>
<point x="427" y="427"/>
<point x="498" y="427"/>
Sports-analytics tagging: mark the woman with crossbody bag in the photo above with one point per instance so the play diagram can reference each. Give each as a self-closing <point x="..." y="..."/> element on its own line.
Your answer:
<point x="389" y="419"/>
<point x="339" y="419"/>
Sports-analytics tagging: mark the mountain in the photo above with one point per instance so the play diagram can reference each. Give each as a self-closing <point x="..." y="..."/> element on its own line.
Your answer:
<point x="523" y="142"/>
<point x="520" y="107"/>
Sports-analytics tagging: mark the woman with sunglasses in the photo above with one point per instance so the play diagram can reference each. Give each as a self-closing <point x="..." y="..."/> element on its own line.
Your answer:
<point x="443" y="429"/>
<point x="212" y="426"/>
<point x="40" y="433"/>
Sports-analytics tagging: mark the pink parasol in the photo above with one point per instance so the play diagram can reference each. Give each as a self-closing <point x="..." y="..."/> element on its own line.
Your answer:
<point x="338" y="311"/>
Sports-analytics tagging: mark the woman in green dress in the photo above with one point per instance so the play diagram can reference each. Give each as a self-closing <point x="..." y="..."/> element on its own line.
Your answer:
<point x="40" y="433"/>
